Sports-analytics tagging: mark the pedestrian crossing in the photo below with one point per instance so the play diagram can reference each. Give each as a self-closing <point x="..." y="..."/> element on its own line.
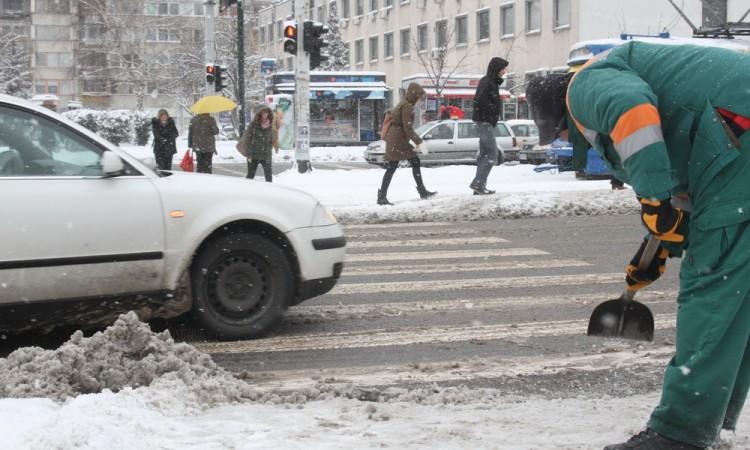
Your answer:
<point x="410" y="291"/>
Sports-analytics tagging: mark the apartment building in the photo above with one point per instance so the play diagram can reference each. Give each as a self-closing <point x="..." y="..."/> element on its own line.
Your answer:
<point x="406" y="38"/>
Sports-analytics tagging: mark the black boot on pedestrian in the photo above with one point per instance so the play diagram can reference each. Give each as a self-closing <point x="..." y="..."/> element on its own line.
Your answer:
<point x="651" y="440"/>
<point x="382" y="200"/>
<point x="424" y="193"/>
<point x="482" y="191"/>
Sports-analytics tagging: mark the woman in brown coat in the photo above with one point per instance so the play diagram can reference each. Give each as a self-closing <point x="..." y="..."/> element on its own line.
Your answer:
<point x="397" y="146"/>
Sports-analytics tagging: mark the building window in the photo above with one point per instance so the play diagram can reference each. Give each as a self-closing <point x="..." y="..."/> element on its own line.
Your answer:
<point x="533" y="16"/>
<point x="344" y="9"/>
<point x="373" y="5"/>
<point x="197" y="8"/>
<point x="154" y="8"/>
<point x="388" y="46"/>
<point x="441" y="33"/>
<point x="13" y="5"/>
<point x="52" y="33"/>
<point x="92" y="31"/>
<point x="388" y="3"/>
<point x="483" y="25"/>
<point x="279" y="30"/>
<point x="562" y="13"/>
<point x="290" y="63"/>
<point x="360" y="7"/>
<point x="262" y="35"/>
<point x="374" y="49"/>
<point x="359" y="51"/>
<point x="507" y="20"/>
<point x="49" y="6"/>
<point x="270" y="32"/>
<point x="422" y="38"/>
<point x="95" y="85"/>
<point x="405" y="41"/>
<point x="462" y="30"/>
<point x="163" y="35"/>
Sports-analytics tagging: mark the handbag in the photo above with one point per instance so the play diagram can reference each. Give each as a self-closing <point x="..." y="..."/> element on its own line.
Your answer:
<point x="187" y="164"/>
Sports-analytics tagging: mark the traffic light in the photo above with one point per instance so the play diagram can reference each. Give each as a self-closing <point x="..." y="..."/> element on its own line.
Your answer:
<point x="210" y="73"/>
<point x="220" y="79"/>
<point x="290" y="38"/>
<point x="314" y="42"/>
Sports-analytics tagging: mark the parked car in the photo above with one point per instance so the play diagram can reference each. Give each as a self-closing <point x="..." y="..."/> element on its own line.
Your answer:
<point x="89" y="231"/>
<point x="527" y="138"/>
<point x="450" y="142"/>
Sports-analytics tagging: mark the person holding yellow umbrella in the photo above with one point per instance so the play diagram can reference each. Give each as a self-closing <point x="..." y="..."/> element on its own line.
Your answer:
<point x="203" y="129"/>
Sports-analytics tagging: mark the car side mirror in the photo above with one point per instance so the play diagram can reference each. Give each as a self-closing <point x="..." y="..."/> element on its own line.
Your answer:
<point x="112" y="165"/>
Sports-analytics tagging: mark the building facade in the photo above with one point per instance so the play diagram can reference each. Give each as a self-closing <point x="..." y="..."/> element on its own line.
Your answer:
<point x="405" y="38"/>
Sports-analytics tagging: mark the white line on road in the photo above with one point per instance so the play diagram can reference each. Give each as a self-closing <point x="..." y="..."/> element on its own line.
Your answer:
<point x="390" y="234"/>
<point x="426" y="242"/>
<point x="462" y="267"/>
<point x="396" y="308"/>
<point x="401" y="337"/>
<point x="478" y="283"/>
<point x="398" y="225"/>
<point x="447" y="254"/>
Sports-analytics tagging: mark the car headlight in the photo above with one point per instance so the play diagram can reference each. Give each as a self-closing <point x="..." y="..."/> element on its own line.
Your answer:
<point x="322" y="216"/>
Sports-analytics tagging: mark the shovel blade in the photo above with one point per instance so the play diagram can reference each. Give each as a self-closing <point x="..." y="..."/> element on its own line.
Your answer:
<point x="622" y="318"/>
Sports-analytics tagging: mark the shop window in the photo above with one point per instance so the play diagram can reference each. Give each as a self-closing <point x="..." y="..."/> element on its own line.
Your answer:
<point x="562" y="13"/>
<point x="462" y="30"/>
<point x="483" y="25"/>
<point x="441" y="33"/>
<point x="374" y="49"/>
<point x="533" y="16"/>
<point x="405" y="41"/>
<point x="388" y="46"/>
<point x="422" y="38"/>
<point x="359" y="51"/>
<point x="507" y="21"/>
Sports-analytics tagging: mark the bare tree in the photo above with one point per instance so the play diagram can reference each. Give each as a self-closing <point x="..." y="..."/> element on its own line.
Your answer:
<point x="15" y="65"/>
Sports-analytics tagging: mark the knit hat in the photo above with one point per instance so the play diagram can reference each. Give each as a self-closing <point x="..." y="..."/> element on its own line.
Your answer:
<point x="546" y="98"/>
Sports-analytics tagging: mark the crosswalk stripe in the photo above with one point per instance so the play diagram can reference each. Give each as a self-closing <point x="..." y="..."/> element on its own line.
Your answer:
<point x="427" y="242"/>
<point x="390" y="234"/>
<point x="400" y="225"/>
<point x="477" y="283"/>
<point x="462" y="267"/>
<point x="397" y="308"/>
<point x="402" y="336"/>
<point x="465" y="370"/>
<point x="443" y="254"/>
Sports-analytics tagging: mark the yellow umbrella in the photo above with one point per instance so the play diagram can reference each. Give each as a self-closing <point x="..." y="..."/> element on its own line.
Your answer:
<point x="213" y="104"/>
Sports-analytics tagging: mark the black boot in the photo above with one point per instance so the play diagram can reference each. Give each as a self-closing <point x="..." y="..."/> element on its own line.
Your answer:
<point x="651" y="440"/>
<point x="424" y="193"/>
<point x="382" y="200"/>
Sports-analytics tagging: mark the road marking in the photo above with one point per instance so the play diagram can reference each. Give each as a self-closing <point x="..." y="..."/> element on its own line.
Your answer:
<point x="426" y="242"/>
<point x="390" y="234"/>
<point x="477" y="283"/>
<point x="465" y="370"/>
<point x="397" y="225"/>
<point x="396" y="308"/>
<point x="462" y="267"/>
<point x="446" y="254"/>
<point x="400" y="337"/>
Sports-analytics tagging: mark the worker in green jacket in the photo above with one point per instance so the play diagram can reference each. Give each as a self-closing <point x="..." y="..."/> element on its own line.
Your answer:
<point x="674" y="123"/>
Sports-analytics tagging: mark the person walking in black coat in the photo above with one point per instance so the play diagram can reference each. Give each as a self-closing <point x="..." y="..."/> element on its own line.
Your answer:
<point x="487" y="109"/>
<point x="257" y="142"/>
<point x="165" y="136"/>
<point x="202" y="139"/>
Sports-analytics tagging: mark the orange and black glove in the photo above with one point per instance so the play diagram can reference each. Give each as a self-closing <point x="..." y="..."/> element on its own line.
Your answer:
<point x="662" y="220"/>
<point x="637" y="279"/>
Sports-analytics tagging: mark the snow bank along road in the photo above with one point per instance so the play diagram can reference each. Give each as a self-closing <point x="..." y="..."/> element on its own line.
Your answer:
<point x="500" y="303"/>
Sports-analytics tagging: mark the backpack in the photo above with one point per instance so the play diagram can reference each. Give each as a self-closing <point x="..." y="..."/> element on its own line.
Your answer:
<point x="387" y="119"/>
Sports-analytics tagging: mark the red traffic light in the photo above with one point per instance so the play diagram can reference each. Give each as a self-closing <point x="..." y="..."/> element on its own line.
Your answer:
<point x="290" y="32"/>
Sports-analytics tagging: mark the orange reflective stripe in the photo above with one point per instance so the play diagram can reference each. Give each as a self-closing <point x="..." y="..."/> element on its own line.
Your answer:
<point x="634" y="119"/>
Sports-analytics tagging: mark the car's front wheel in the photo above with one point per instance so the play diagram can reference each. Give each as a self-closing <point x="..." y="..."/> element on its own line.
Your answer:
<point x="242" y="284"/>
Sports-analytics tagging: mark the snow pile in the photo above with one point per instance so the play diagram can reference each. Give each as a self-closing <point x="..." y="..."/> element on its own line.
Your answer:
<point x="127" y="354"/>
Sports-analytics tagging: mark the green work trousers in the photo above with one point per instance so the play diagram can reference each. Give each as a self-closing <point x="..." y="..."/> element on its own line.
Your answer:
<point x="706" y="383"/>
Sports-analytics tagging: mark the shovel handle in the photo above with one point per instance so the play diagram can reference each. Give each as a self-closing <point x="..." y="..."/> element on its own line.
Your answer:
<point x="652" y="246"/>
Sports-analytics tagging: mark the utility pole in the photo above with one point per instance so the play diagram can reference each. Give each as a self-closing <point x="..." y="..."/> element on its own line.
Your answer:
<point x="241" y="63"/>
<point x="302" y="91"/>
<point x="209" y="39"/>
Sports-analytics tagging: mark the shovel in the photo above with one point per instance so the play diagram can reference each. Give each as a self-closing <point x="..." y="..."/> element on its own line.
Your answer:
<point x="624" y="317"/>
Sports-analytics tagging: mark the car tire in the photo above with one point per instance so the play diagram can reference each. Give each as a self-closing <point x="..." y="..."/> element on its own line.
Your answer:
<point x="242" y="285"/>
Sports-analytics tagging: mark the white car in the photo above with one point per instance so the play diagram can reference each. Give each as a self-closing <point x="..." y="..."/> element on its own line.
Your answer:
<point x="89" y="231"/>
<point x="450" y="142"/>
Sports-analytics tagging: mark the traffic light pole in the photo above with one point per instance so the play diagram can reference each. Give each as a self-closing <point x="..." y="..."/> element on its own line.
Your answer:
<point x="209" y="39"/>
<point x="302" y="92"/>
<point x="241" y="63"/>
